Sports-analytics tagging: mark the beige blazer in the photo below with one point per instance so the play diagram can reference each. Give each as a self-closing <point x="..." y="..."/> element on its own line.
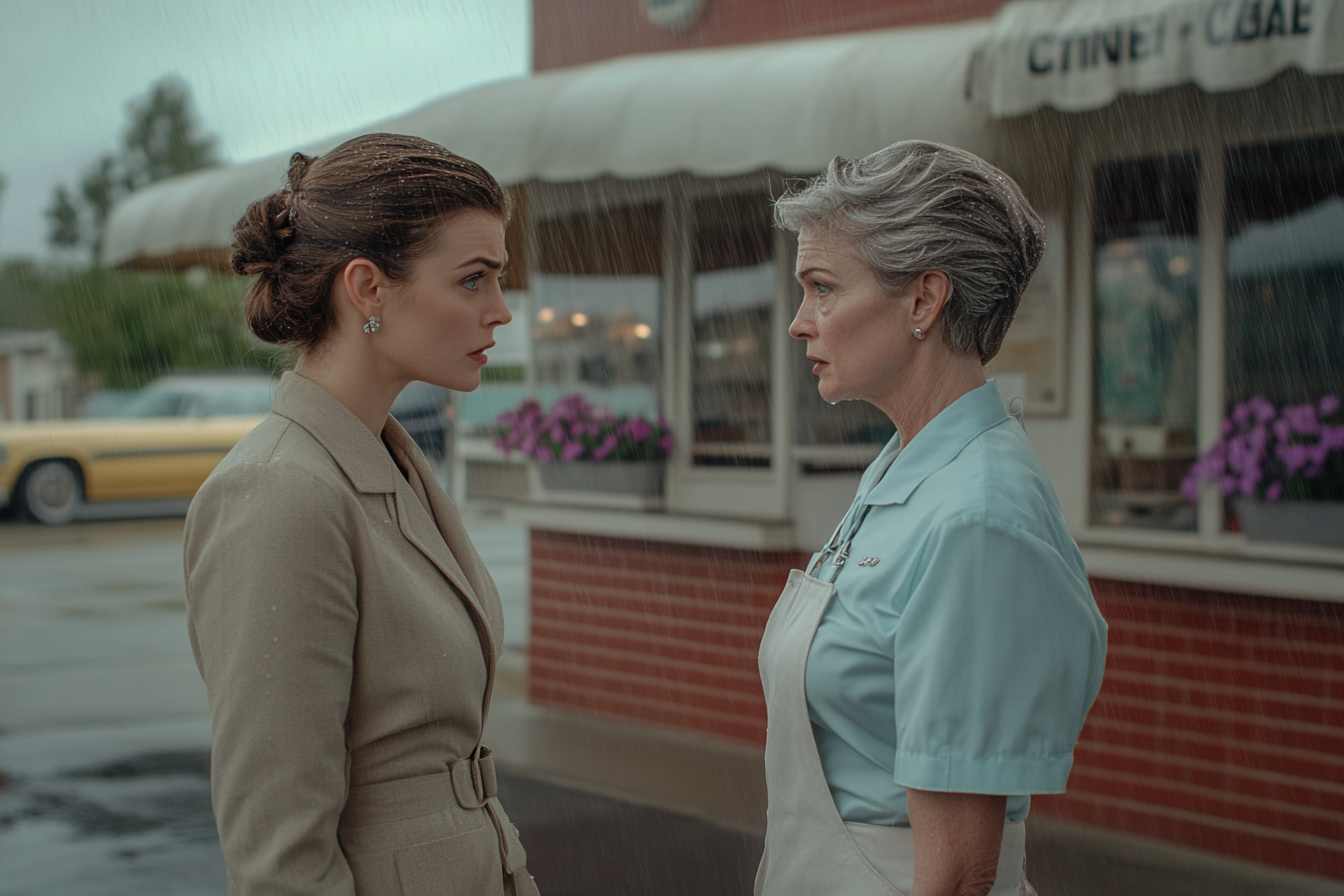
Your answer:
<point x="348" y="633"/>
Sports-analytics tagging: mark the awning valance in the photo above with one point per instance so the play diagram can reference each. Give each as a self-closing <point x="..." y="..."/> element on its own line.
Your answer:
<point x="1075" y="55"/>
<point x="788" y="105"/>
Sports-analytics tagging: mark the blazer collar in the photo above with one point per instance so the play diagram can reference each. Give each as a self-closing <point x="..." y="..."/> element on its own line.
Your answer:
<point x="934" y="446"/>
<point x="359" y="453"/>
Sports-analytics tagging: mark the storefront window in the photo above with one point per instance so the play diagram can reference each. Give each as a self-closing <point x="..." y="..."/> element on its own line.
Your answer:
<point x="596" y="297"/>
<point x="1285" y="271"/>
<point x="1146" y="295"/>
<point x="732" y="297"/>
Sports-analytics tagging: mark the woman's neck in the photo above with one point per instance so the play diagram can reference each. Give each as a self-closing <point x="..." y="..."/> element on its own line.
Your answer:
<point x="935" y="381"/>
<point x="352" y="378"/>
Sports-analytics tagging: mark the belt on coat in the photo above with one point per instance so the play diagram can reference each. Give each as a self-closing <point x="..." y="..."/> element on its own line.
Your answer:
<point x="469" y="785"/>
<point x="469" y="782"/>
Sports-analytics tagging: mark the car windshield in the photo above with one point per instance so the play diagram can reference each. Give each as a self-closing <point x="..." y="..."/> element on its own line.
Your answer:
<point x="153" y="403"/>
<point x="210" y="400"/>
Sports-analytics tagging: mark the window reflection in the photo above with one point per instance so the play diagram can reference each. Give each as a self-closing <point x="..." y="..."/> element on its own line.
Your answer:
<point x="597" y="305"/>
<point x="732" y="296"/>
<point x="1146" y="301"/>
<point x="1285" y="271"/>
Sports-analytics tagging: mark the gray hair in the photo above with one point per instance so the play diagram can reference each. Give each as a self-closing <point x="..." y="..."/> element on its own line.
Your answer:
<point x="917" y="206"/>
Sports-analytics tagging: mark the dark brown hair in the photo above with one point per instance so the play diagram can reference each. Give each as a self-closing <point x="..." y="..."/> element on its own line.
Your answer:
<point x="379" y="196"/>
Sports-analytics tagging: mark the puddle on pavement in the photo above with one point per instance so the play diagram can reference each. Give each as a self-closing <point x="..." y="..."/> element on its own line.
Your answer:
<point x="138" y="822"/>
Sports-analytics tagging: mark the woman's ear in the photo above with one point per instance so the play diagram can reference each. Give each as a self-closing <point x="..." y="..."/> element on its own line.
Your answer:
<point x="365" y="286"/>
<point x="931" y="290"/>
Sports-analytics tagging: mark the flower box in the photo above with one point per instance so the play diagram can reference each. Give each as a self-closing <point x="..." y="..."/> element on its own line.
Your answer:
<point x="1282" y="468"/>
<point x="583" y="451"/>
<point x="643" y="478"/>
<point x="1304" y="522"/>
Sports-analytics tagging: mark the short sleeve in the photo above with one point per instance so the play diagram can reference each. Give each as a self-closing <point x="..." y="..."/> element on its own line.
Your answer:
<point x="998" y="657"/>
<point x="272" y="612"/>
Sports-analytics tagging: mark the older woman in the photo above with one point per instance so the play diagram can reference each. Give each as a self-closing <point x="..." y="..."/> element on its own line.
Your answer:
<point x="934" y="666"/>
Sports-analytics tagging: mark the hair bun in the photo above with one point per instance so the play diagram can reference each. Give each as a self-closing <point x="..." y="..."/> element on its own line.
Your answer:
<point x="260" y="236"/>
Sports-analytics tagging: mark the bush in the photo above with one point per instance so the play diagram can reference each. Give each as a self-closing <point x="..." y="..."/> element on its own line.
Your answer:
<point x="132" y="327"/>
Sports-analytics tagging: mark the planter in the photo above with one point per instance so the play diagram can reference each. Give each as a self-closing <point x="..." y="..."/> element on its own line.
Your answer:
<point x="1303" y="522"/>
<point x="614" y="477"/>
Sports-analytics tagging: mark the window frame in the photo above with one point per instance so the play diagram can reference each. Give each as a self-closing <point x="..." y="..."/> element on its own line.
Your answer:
<point x="1213" y="126"/>
<point x="741" y="492"/>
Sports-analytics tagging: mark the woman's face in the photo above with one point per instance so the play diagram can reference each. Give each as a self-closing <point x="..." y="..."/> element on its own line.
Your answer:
<point x="857" y="333"/>
<point x="442" y="318"/>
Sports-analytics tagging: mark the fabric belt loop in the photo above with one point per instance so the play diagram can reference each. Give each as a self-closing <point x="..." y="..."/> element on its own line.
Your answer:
<point x="474" y="781"/>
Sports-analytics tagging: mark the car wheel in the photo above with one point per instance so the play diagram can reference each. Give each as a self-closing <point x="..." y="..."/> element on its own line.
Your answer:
<point x="51" y="492"/>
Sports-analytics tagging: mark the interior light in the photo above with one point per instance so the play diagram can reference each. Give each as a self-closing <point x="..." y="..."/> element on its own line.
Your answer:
<point x="579" y="319"/>
<point x="546" y="315"/>
<point x="643" y="331"/>
<point x="1179" y="266"/>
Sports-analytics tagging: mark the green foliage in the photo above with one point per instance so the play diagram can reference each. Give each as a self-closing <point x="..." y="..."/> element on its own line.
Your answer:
<point x="132" y="327"/>
<point x="162" y="139"/>
<point x="22" y="296"/>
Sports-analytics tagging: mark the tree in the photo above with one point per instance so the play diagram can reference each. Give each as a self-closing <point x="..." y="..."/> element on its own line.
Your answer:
<point x="163" y="136"/>
<point x="162" y="139"/>
<point x="63" y="220"/>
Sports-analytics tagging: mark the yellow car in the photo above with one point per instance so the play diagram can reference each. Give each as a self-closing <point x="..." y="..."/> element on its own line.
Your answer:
<point x="161" y="443"/>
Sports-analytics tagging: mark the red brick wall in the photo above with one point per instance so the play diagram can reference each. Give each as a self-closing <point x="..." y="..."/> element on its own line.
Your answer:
<point x="653" y="632"/>
<point x="1220" y="723"/>
<point x="572" y="32"/>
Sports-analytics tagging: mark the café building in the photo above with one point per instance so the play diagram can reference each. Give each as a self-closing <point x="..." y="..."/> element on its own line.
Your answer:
<point x="1188" y="158"/>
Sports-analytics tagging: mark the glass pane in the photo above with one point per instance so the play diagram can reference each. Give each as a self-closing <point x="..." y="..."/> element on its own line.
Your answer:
<point x="731" y="299"/>
<point x="1285" y="271"/>
<point x="597" y="308"/>
<point x="1146" y="295"/>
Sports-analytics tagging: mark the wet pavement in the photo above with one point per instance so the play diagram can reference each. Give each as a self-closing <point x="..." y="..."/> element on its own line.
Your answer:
<point x="104" y="739"/>
<point x="142" y="825"/>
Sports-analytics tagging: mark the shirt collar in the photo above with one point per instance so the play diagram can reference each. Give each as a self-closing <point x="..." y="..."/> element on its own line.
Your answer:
<point x="934" y="446"/>
<point x="359" y="453"/>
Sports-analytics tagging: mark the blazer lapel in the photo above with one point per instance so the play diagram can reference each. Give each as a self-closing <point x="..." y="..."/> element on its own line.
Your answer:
<point x="420" y="531"/>
<point x="438" y="533"/>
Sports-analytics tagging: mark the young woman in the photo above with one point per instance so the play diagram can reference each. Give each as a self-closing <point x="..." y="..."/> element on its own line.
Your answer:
<point x="933" y="668"/>
<point x="346" y="628"/>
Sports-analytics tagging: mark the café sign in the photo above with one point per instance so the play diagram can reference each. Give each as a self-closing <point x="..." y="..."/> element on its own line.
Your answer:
<point x="1082" y="54"/>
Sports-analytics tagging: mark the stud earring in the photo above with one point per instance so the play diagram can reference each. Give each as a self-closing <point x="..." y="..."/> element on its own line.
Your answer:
<point x="919" y="334"/>
<point x="373" y="325"/>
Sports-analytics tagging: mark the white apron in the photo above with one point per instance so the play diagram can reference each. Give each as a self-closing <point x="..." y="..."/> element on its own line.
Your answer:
<point x="809" y="849"/>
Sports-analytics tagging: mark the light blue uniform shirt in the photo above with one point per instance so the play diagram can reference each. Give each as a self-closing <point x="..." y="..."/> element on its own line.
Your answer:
<point x="963" y="648"/>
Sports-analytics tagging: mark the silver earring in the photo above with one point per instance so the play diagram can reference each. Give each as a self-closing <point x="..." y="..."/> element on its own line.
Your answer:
<point x="373" y="325"/>
<point x="919" y="334"/>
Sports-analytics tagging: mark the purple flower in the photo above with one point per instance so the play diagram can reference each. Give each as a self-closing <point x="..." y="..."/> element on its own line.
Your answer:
<point x="665" y="444"/>
<point x="603" y="451"/>
<point x="572" y="451"/>
<point x="1267" y="451"/>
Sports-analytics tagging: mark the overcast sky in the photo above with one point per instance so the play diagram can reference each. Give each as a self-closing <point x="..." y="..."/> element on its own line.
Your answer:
<point x="267" y="75"/>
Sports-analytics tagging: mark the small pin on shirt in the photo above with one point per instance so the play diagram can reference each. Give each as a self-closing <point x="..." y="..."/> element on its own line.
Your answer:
<point x="869" y="561"/>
